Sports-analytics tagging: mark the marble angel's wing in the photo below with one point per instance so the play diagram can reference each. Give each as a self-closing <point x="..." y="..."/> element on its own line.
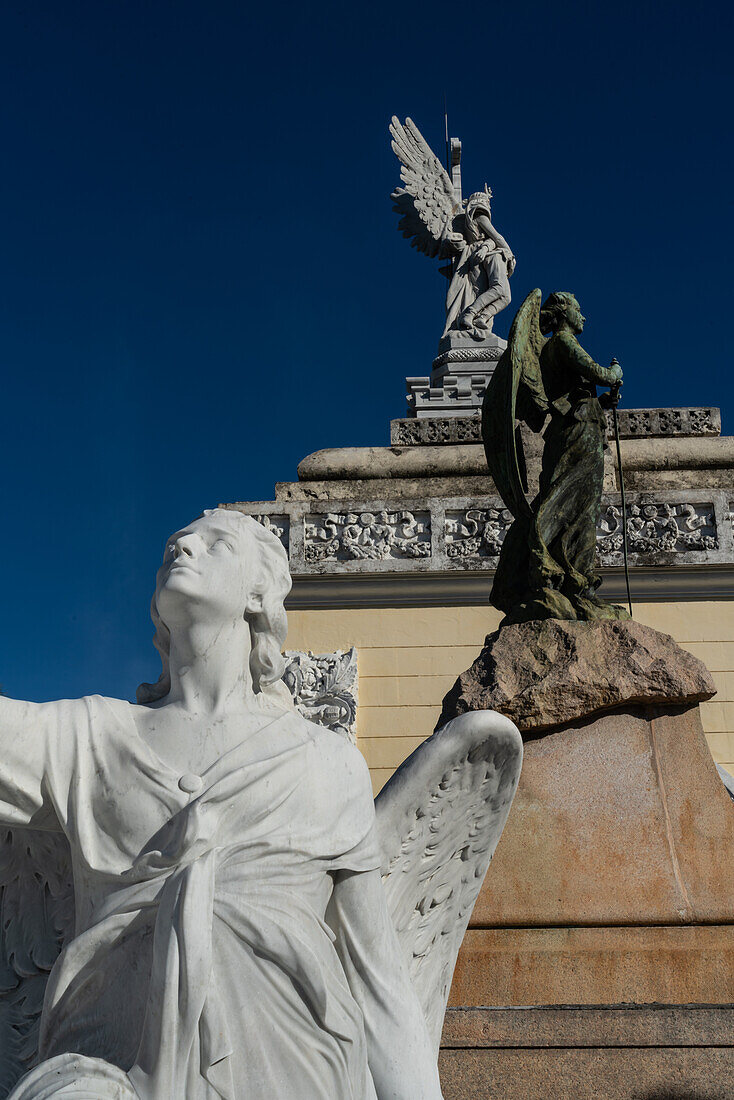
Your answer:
<point x="426" y="202"/>
<point x="515" y="392"/>
<point x="36" y="918"/>
<point x="439" y="819"/>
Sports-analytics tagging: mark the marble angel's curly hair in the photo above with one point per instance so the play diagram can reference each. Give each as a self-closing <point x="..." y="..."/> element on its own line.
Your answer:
<point x="268" y="626"/>
<point x="553" y="310"/>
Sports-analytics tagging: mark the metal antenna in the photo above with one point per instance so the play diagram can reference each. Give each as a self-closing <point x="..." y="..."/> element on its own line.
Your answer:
<point x="446" y="129"/>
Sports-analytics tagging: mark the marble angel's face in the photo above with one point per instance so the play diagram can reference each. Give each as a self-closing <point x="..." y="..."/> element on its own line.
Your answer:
<point x="206" y="567"/>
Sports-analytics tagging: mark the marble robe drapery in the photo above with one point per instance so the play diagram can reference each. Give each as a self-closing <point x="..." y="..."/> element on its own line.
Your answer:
<point x="480" y="267"/>
<point x="202" y="963"/>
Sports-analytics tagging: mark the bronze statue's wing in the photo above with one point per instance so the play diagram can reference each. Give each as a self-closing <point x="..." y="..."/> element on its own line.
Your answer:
<point x="426" y="202"/>
<point x="439" y="818"/>
<point x="36" y="919"/>
<point x="515" y="392"/>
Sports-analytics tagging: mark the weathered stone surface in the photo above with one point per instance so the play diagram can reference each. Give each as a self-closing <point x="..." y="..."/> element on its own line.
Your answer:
<point x="589" y="966"/>
<point x="390" y="489"/>
<point x="621" y="820"/>
<point x="346" y="463"/>
<point x="457" y="461"/>
<point x="608" y="1025"/>
<point x="547" y="674"/>
<point x="665" y="1073"/>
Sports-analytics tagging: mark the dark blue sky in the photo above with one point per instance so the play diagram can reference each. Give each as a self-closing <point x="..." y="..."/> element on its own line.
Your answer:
<point x="201" y="278"/>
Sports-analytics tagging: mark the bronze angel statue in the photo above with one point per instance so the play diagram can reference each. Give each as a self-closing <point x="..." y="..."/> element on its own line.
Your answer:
<point x="438" y="222"/>
<point x="547" y="566"/>
<point x="200" y="899"/>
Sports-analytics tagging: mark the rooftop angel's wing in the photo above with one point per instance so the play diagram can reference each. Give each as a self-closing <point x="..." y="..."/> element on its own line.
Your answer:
<point x="515" y="392"/>
<point x="439" y="819"/>
<point x="427" y="203"/>
<point x="36" y="919"/>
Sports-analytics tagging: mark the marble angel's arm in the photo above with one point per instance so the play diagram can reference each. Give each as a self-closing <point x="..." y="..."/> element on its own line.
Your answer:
<point x="26" y="731"/>
<point x="493" y="234"/>
<point x="401" y="1057"/>
<point x="582" y="362"/>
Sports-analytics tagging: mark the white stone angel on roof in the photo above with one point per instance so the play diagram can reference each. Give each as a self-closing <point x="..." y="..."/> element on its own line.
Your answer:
<point x="199" y="889"/>
<point x="438" y="222"/>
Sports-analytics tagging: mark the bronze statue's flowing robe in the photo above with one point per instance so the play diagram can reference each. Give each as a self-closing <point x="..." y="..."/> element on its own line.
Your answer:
<point x="547" y="565"/>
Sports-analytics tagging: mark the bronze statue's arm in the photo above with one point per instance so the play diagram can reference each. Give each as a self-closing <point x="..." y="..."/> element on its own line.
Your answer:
<point x="582" y="362"/>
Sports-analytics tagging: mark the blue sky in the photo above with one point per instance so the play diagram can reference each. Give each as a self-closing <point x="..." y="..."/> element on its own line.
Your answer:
<point x="201" y="278"/>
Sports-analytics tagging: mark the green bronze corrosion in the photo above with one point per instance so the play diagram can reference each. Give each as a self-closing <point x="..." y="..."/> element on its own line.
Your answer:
<point x="547" y="566"/>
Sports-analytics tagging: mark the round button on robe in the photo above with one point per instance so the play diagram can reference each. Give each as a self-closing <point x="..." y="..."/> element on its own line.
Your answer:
<point x="190" y="783"/>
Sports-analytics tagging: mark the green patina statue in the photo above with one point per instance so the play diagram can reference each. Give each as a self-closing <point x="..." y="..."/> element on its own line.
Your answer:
<point x="547" y="566"/>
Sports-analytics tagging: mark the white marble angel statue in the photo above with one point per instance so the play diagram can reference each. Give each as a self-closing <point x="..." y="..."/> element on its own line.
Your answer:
<point x="197" y="888"/>
<point x="438" y="222"/>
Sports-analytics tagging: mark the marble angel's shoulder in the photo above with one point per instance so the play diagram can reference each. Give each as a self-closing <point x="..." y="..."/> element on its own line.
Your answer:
<point x="339" y="763"/>
<point x="58" y="716"/>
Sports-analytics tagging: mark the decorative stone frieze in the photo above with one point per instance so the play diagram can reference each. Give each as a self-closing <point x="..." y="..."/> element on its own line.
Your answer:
<point x="637" y="423"/>
<point x="324" y="687"/>
<point x="439" y="535"/>
<point x="364" y="536"/>
<point x="476" y="532"/>
<point x="633" y="424"/>
<point x="278" y="525"/>
<point x="435" y="429"/>
<point x="655" y="527"/>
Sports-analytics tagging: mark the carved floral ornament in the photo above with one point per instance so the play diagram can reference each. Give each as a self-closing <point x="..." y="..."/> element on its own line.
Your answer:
<point x="658" y="527"/>
<point x="477" y="532"/>
<point x="367" y="535"/>
<point x="324" y="688"/>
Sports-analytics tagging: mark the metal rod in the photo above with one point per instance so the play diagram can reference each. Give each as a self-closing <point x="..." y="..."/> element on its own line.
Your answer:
<point x="625" y="549"/>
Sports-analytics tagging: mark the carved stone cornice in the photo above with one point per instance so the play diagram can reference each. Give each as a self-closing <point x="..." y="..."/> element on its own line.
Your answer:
<point x="668" y="530"/>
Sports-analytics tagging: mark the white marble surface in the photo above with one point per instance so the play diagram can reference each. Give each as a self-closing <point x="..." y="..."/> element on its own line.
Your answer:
<point x="440" y="223"/>
<point x="228" y="933"/>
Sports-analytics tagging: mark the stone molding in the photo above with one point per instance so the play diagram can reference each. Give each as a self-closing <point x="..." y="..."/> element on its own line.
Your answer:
<point x="669" y="529"/>
<point x="633" y="424"/>
<point x="469" y="588"/>
<point x="468" y="355"/>
<point x="456" y="394"/>
<point x="324" y="687"/>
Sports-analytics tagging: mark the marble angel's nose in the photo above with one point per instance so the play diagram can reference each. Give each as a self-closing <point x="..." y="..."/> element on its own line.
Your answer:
<point x="190" y="783"/>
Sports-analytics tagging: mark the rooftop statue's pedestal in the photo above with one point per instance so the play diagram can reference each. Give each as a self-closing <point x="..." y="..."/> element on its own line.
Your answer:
<point x="613" y="886"/>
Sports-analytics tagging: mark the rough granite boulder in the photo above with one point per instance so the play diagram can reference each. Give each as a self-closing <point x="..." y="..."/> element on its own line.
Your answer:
<point x="547" y="673"/>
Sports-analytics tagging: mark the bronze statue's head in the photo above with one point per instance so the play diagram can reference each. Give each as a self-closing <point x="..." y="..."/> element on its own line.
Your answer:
<point x="561" y="310"/>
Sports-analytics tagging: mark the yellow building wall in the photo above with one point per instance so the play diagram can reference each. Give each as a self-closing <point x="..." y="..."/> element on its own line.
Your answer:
<point x="408" y="658"/>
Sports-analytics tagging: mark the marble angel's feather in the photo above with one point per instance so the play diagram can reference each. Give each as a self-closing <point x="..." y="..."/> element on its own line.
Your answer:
<point x="426" y="202"/>
<point x="36" y="919"/>
<point x="439" y="819"/>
